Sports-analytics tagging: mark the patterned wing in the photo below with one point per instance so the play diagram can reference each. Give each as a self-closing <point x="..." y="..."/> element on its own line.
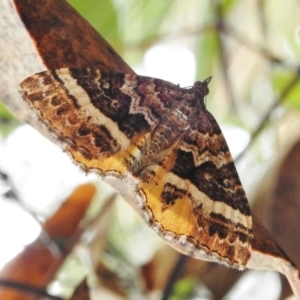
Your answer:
<point x="100" y="119"/>
<point x="196" y="199"/>
<point x="187" y="187"/>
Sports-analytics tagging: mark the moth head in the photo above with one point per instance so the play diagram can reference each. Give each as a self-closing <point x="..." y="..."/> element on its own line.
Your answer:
<point x="202" y="86"/>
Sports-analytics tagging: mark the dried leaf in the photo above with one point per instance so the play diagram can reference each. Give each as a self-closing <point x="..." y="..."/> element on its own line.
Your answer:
<point x="65" y="39"/>
<point x="266" y="254"/>
<point x="110" y="281"/>
<point x="81" y="292"/>
<point x="285" y="221"/>
<point x="36" y="265"/>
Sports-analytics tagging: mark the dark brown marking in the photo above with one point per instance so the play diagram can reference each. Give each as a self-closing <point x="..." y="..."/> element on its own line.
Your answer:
<point x="55" y="101"/>
<point x="171" y="193"/>
<point x="219" y="229"/>
<point x="63" y="109"/>
<point x="37" y="96"/>
<point x="83" y="130"/>
<point x="104" y="140"/>
<point x="210" y="180"/>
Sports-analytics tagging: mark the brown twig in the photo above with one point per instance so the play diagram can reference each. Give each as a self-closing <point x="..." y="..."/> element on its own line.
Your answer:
<point x="288" y="89"/>
<point x="28" y="289"/>
<point x="174" y="276"/>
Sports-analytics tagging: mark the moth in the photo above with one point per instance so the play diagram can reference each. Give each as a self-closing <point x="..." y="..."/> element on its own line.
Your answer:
<point x="160" y="140"/>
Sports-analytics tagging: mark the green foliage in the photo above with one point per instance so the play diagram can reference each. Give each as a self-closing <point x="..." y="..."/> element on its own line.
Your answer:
<point x="282" y="79"/>
<point x="5" y="114"/>
<point x="103" y="16"/>
<point x="185" y="289"/>
<point x="207" y="54"/>
<point x="7" y="121"/>
<point x="227" y="5"/>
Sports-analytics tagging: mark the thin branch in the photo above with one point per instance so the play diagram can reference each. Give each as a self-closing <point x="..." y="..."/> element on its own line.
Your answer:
<point x="261" y="13"/>
<point x="12" y="194"/>
<point x="229" y="30"/>
<point x="25" y="288"/>
<point x="220" y="26"/>
<point x="171" y="36"/>
<point x="174" y="276"/>
<point x="288" y="89"/>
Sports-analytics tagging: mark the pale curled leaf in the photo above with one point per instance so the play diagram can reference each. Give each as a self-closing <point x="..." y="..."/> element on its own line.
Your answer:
<point x="285" y="222"/>
<point x="18" y="60"/>
<point x="266" y="254"/>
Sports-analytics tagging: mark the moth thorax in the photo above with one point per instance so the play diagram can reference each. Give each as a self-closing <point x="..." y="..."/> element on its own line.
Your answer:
<point x="163" y="138"/>
<point x="185" y="111"/>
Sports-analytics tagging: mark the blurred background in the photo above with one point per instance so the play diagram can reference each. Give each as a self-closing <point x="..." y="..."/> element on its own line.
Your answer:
<point x="251" y="48"/>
